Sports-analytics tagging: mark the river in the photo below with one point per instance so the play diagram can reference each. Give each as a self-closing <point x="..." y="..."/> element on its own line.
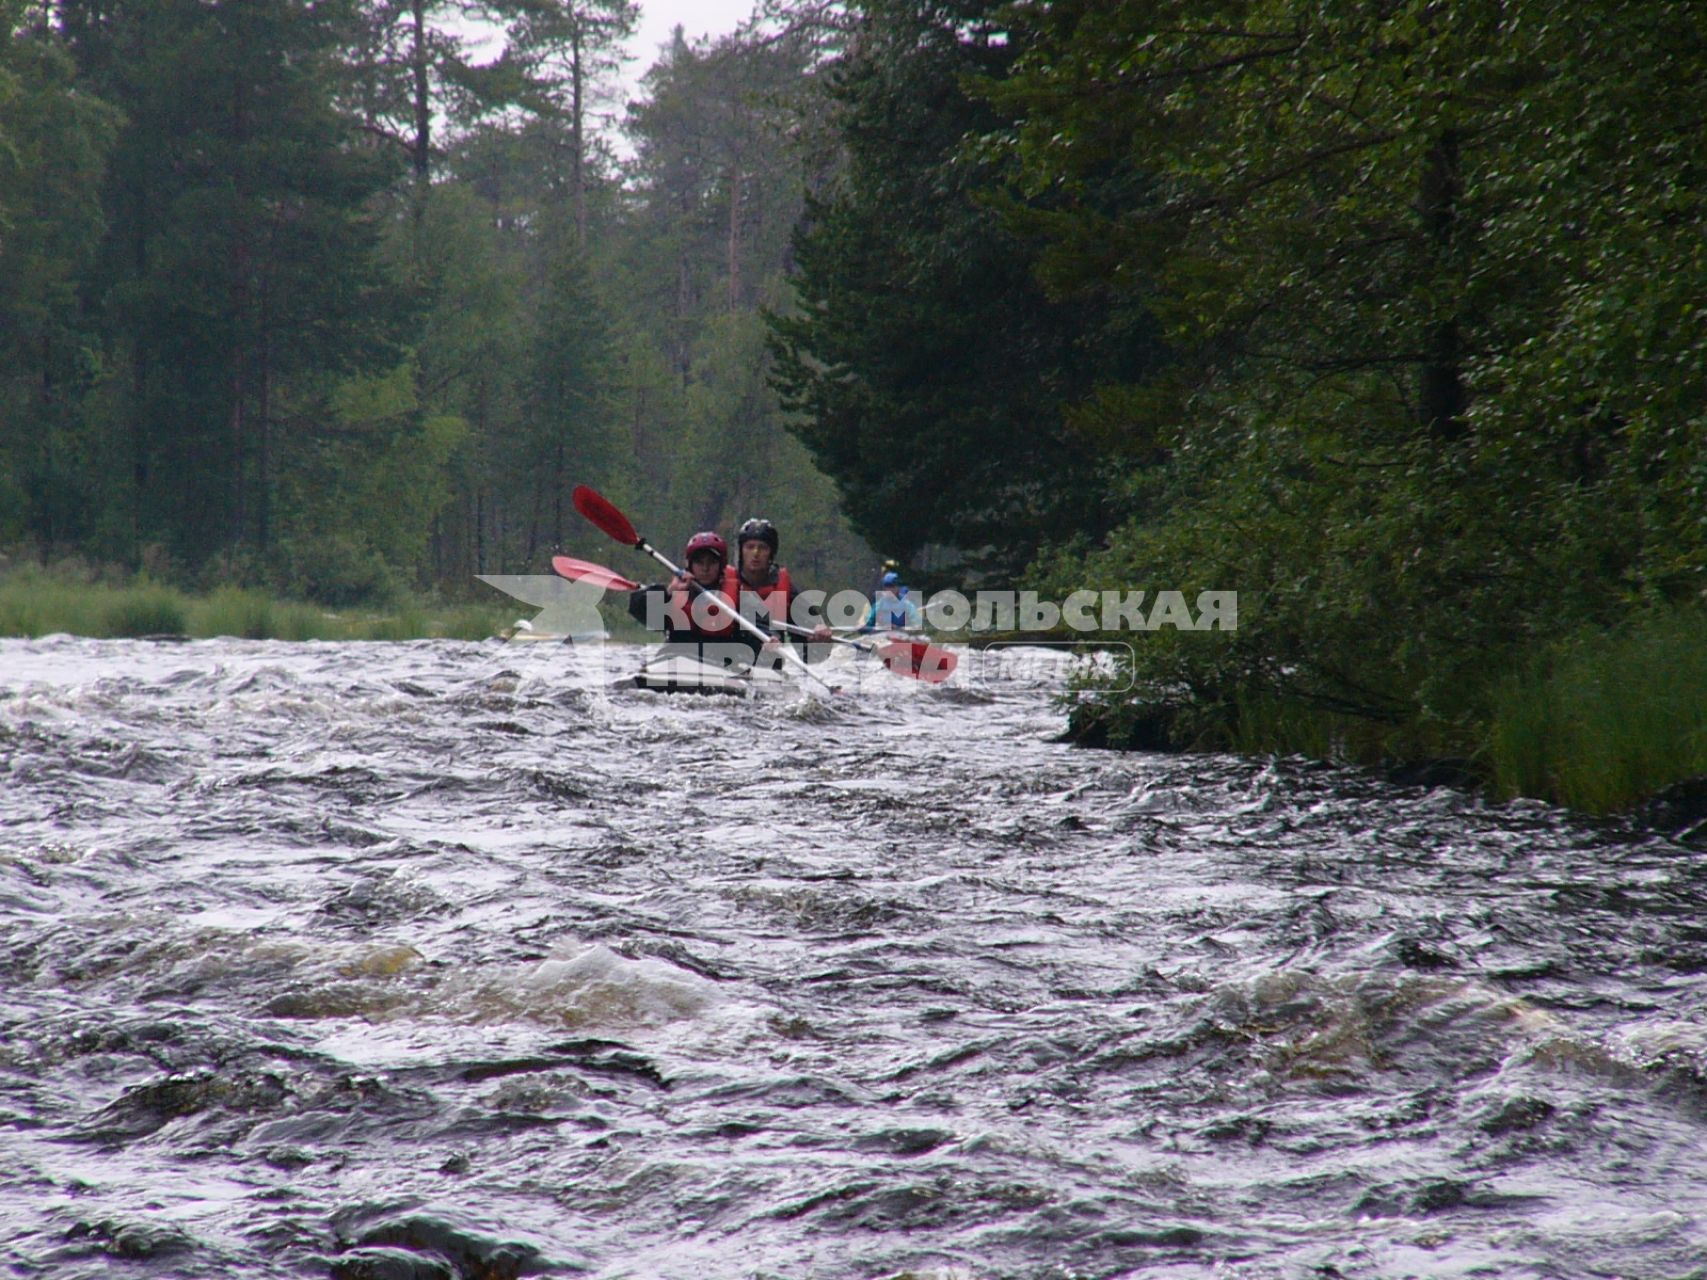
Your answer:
<point x="443" y="960"/>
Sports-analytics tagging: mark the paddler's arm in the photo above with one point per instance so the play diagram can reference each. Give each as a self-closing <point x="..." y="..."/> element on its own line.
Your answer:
<point x="816" y="646"/>
<point x="641" y="609"/>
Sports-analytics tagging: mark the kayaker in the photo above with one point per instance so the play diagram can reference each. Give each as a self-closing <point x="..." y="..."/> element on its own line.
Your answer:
<point x="763" y="588"/>
<point x="698" y="623"/>
<point x="889" y="566"/>
<point x="891" y="610"/>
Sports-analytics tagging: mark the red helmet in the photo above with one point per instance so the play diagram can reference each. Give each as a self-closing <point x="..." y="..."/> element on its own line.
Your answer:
<point x="706" y="541"/>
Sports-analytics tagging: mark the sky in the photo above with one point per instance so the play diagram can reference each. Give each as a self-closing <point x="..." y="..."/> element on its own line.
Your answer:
<point x="698" y="18"/>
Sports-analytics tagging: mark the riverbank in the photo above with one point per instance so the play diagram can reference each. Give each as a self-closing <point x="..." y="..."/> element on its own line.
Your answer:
<point x="1600" y="722"/>
<point x="37" y="600"/>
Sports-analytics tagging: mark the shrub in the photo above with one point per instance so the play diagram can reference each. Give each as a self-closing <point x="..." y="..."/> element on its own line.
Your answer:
<point x="146" y="609"/>
<point x="336" y="570"/>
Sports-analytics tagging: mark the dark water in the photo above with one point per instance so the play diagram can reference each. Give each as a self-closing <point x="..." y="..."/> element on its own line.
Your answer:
<point x="437" y="960"/>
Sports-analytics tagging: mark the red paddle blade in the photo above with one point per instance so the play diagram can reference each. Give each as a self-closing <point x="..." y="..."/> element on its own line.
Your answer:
<point x="597" y="508"/>
<point x="918" y="660"/>
<point x="586" y="571"/>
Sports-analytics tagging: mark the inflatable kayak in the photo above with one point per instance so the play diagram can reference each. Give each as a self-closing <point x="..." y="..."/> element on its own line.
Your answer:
<point x="674" y="673"/>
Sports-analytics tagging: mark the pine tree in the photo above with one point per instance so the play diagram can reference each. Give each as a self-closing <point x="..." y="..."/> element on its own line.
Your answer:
<point x="241" y="258"/>
<point x="54" y="142"/>
<point x="931" y="371"/>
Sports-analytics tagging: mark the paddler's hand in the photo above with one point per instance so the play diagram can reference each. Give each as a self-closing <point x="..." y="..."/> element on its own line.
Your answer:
<point x="822" y="634"/>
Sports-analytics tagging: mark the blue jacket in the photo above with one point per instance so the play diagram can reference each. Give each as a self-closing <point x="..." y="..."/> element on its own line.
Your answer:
<point x="893" y="611"/>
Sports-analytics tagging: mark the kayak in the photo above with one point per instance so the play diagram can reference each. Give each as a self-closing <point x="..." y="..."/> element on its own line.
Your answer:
<point x="675" y="673"/>
<point x="523" y="633"/>
<point x="885" y="637"/>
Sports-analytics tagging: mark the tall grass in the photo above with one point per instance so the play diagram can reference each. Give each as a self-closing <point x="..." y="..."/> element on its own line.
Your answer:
<point x="142" y="609"/>
<point x="32" y="604"/>
<point x="36" y="601"/>
<point x="1605" y="720"/>
<point x="474" y="621"/>
<point x="233" y="611"/>
<point x="1276" y="726"/>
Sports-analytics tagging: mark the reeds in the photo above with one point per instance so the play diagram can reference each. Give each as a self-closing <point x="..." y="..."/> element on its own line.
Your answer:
<point x="1602" y="721"/>
<point x="35" y="601"/>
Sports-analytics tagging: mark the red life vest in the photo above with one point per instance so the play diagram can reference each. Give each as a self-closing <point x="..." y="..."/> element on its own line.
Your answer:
<point x="711" y="617"/>
<point x="775" y="598"/>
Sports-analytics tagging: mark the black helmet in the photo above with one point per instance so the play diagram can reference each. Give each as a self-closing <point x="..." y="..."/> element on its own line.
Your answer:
<point x="757" y="530"/>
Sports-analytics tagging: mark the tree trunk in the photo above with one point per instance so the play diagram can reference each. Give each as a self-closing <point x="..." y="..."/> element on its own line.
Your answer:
<point x="533" y="525"/>
<point x="138" y="446"/>
<point x="479" y="529"/>
<point x="264" y="438"/>
<point x="577" y="133"/>
<point x="1442" y="396"/>
<point x="557" y="483"/>
<point x="421" y="151"/>
<point x="237" y="391"/>
<point x="240" y="266"/>
<point x="734" y="249"/>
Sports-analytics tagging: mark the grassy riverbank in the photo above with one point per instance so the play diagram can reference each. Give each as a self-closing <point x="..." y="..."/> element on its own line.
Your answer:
<point x="1601" y="722"/>
<point x="36" y="601"/>
<point x="1597" y="721"/>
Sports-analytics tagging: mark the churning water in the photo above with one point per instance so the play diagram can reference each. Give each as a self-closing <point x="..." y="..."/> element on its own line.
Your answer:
<point x="439" y="960"/>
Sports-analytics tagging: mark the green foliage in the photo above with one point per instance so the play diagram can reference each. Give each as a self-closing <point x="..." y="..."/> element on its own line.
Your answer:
<point x="145" y="609"/>
<point x="358" y="496"/>
<point x="1426" y="273"/>
<point x="335" y="569"/>
<point x="718" y="177"/>
<point x="389" y="498"/>
<point x="469" y="366"/>
<point x="931" y="373"/>
<point x="37" y="601"/>
<point x="566" y="391"/>
<point x="736" y="458"/>
<point x="299" y="295"/>
<point x="405" y="624"/>
<point x="1604" y="719"/>
<point x="469" y="622"/>
<point x="54" y="141"/>
<point x="240" y="260"/>
<point x="234" y="611"/>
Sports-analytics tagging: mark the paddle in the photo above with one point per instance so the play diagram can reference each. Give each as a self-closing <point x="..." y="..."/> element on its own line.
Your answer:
<point x="596" y="574"/>
<point x="914" y="659"/>
<point x="599" y="509"/>
<point x="599" y="576"/>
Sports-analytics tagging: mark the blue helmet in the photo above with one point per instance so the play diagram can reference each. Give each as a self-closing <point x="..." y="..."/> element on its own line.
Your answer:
<point x="890" y="579"/>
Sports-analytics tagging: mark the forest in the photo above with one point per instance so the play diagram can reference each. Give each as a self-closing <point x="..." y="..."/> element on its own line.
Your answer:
<point x="1386" y="314"/>
<point x="344" y="297"/>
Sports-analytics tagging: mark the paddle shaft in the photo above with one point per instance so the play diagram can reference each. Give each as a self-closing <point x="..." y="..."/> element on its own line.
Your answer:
<point x="793" y="630"/>
<point x="924" y="661"/>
